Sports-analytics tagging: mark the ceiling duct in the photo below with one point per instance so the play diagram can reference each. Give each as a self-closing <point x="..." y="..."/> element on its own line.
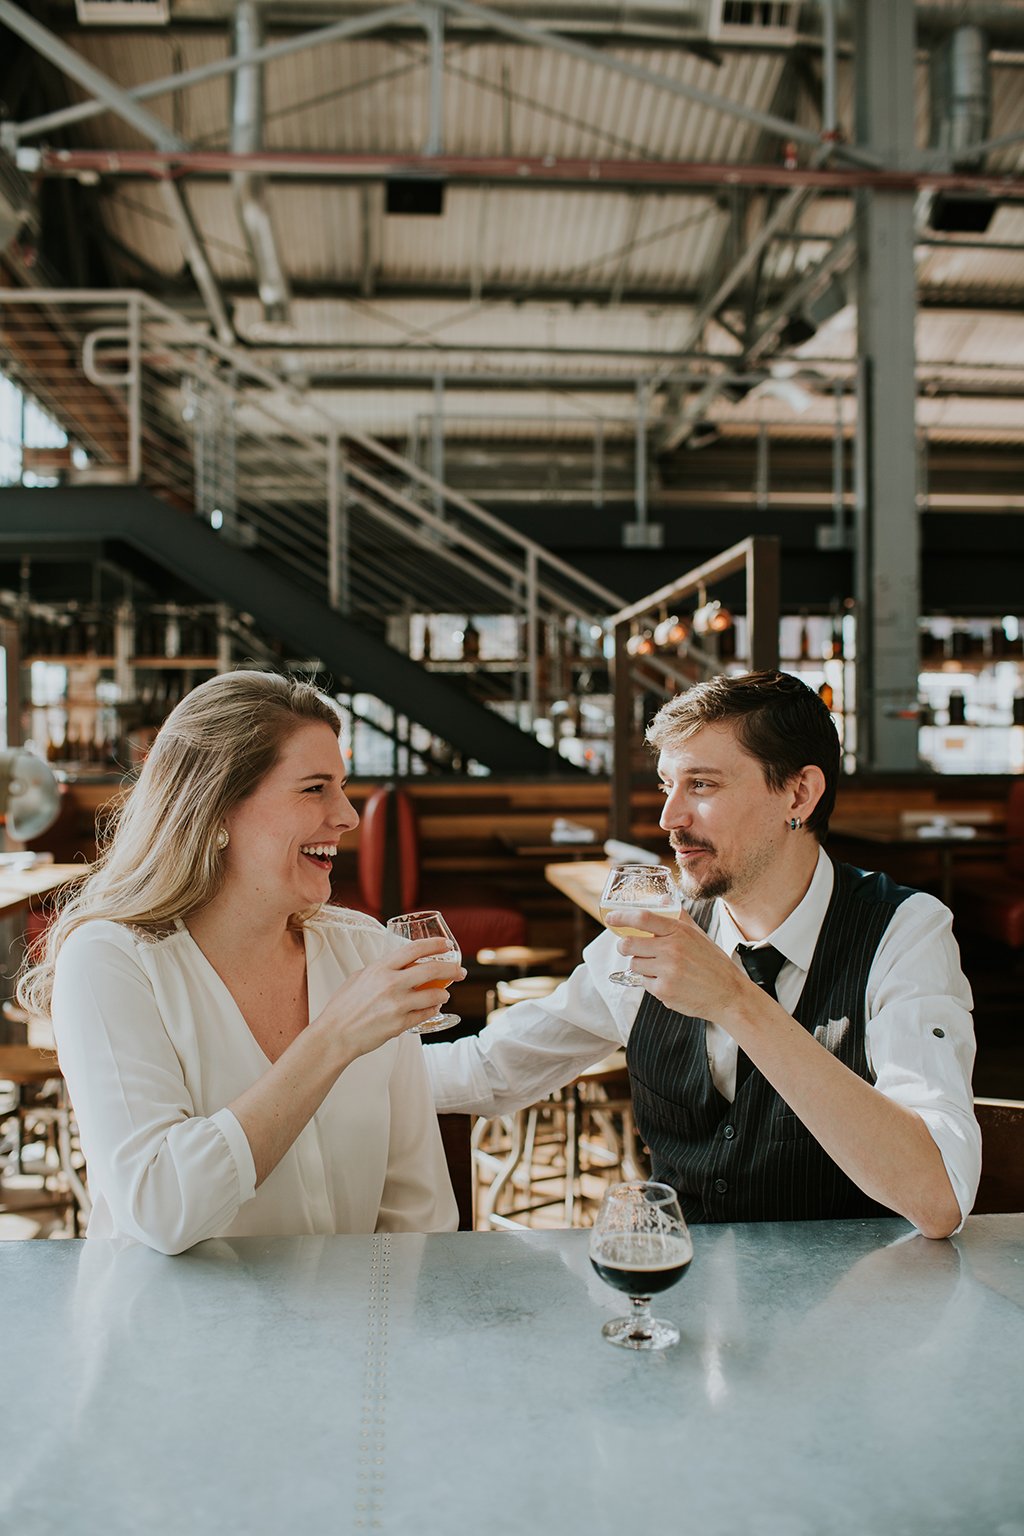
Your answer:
<point x="250" y="190"/>
<point x="961" y="95"/>
<point x="961" y="113"/>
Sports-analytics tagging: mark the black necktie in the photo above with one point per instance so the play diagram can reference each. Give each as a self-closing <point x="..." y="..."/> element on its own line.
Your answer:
<point x="762" y="965"/>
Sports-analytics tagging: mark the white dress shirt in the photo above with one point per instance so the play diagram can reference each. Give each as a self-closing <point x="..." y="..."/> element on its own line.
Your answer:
<point x="154" y="1047"/>
<point x="919" y="1035"/>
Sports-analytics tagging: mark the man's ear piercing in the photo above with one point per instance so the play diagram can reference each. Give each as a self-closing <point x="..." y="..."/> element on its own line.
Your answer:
<point x="795" y="823"/>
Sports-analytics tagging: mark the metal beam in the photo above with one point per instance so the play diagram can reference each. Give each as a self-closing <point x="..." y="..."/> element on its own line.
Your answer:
<point x="519" y="171"/>
<point x="112" y="98"/>
<point x="732" y="267"/>
<point x="526" y="33"/>
<point x="787" y="210"/>
<point x="109" y="97"/>
<point x="180" y="214"/>
<point x="841" y="255"/>
<point x="366" y="262"/>
<point x="353" y="27"/>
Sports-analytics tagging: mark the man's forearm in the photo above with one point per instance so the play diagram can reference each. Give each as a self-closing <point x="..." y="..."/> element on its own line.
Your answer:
<point x="884" y="1147"/>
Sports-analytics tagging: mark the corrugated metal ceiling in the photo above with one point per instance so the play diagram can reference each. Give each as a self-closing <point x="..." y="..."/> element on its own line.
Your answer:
<point x="538" y="245"/>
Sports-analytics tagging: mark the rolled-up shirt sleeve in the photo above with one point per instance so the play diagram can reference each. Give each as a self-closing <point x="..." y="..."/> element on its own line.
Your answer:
<point x="533" y="1048"/>
<point x="171" y="1177"/>
<point x="920" y="1036"/>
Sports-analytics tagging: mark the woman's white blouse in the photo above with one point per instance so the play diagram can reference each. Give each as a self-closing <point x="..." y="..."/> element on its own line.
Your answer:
<point x="154" y="1047"/>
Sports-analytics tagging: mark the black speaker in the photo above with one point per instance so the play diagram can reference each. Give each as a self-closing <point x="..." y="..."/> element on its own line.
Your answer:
<point x="796" y="331"/>
<point x="415" y="194"/>
<point x="961" y="213"/>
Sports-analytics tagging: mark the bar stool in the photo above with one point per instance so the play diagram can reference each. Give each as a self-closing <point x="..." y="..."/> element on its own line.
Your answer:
<point x="599" y="1099"/>
<point x="38" y="1108"/>
<point x="512" y="962"/>
<point x="512" y="1147"/>
<point x="498" y="1143"/>
<point x="518" y="957"/>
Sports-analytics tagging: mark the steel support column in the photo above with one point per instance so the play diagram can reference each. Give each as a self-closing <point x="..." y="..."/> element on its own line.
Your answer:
<point x="888" y="552"/>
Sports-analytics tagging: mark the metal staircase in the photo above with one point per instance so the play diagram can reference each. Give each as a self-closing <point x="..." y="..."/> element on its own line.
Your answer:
<point x="246" y="487"/>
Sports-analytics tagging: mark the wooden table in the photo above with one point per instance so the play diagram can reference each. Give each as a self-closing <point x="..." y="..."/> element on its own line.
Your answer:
<point x="833" y="1379"/>
<point x="19" y="887"/>
<point x="893" y="832"/>
<point x="581" y="882"/>
<point x="534" y="845"/>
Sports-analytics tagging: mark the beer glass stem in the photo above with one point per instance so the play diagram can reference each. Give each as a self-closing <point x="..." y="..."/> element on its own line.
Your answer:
<point x="642" y="1319"/>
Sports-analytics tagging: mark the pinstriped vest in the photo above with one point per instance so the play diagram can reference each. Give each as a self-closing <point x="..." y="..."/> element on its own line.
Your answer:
<point x="753" y="1160"/>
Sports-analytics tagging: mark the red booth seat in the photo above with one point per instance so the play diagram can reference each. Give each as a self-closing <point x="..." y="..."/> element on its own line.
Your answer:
<point x="388" y="869"/>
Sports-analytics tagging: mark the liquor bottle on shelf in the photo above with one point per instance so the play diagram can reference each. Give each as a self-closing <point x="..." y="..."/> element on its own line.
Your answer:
<point x="835" y="645"/>
<point x="470" y="641"/>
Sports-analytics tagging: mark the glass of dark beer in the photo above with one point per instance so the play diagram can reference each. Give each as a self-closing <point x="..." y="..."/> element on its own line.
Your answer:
<point x="640" y="1244"/>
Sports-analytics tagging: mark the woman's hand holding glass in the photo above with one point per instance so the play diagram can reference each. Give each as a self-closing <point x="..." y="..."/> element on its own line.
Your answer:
<point x="426" y="925"/>
<point x="386" y="998"/>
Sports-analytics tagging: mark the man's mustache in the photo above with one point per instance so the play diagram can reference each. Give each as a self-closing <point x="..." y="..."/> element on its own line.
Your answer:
<point x="676" y="842"/>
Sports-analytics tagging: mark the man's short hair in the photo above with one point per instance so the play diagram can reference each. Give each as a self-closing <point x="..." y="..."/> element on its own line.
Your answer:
<point x="779" y="721"/>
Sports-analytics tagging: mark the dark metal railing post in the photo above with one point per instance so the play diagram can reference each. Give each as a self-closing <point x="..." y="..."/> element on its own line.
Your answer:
<point x="758" y="558"/>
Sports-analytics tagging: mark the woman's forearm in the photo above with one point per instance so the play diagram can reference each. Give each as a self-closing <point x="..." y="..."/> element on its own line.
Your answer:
<point x="278" y="1105"/>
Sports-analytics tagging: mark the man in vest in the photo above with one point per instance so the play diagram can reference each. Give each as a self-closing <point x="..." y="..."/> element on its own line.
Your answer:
<point x="802" y="1044"/>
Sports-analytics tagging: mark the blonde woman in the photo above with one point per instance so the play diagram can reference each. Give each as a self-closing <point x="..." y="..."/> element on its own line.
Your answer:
<point x="234" y="1048"/>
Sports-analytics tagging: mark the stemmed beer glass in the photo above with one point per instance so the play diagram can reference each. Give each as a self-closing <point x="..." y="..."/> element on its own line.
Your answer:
<point x="640" y="1244"/>
<point x="428" y="925"/>
<point x="638" y="885"/>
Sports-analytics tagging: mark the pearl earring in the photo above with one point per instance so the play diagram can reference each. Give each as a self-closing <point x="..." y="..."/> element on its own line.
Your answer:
<point x="222" y="839"/>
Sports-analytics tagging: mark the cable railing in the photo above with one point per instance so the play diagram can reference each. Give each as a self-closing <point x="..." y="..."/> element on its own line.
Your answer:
<point x="145" y="396"/>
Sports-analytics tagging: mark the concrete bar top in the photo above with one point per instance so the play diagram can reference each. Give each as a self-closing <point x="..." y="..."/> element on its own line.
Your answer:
<point x="833" y="1377"/>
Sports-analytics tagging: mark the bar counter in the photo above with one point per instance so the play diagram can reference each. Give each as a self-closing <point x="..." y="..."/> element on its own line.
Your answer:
<point x="845" y="1377"/>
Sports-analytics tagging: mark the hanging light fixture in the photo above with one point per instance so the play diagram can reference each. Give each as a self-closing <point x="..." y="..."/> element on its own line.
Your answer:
<point x="640" y="643"/>
<point x="711" y="618"/>
<point x="672" y="632"/>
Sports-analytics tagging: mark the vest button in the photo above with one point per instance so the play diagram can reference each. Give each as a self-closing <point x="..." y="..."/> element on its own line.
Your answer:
<point x="729" y="1131"/>
<point x="940" y="1034"/>
<point x="720" y="1186"/>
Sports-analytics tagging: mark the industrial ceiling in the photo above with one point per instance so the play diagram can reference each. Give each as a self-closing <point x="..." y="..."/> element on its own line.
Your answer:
<point x="641" y="218"/>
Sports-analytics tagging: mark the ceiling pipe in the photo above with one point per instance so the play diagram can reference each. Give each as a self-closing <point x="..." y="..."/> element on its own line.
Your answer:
<point x="514" y="171"/>
<point x="961" y="95"/>
<point x="249" y="188"/>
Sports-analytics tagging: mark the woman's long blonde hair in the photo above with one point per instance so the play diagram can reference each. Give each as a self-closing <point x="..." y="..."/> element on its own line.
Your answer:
<point x="159" y="858"/>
